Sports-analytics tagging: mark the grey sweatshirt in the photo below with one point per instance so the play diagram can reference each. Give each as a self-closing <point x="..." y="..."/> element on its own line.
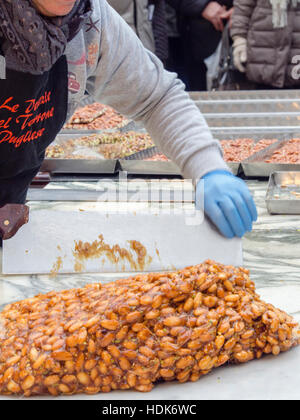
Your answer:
<point x="108" y="60"/>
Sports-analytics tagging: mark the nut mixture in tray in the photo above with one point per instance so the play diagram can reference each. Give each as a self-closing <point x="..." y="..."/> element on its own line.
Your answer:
<point x="234" y="150"/>
<point x="120" y="145"/>
<point x="288" y="153"/>
<point x="133" y="332"/>
<point x="105" y="145"/>
<point x="240" y="149"/>
<point x="96" y="117"/>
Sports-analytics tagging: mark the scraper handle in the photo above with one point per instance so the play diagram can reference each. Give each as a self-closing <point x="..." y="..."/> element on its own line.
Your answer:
<point x="12" y="217"/>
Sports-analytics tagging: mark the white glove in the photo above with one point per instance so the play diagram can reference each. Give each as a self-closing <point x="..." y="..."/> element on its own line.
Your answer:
<point x="240" y="53"/>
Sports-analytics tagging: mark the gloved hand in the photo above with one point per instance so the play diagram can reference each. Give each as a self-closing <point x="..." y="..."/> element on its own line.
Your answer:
<point x="228" y="203"/>
<point x="240" y="53"/>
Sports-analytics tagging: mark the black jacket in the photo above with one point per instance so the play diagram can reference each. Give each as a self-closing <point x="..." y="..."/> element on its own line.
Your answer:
<point x="200" y="36"/>
<point x="189" y="8"/>
<point x="194" y="8"/>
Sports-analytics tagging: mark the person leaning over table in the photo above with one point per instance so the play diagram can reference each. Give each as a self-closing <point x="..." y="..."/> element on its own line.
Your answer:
<point x="56" y="50"/>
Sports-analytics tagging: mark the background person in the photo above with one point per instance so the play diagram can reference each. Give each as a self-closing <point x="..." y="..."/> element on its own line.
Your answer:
<point x="136" y="15"/>
<point x="200" y="24"/>
<point x="266" y="35"/>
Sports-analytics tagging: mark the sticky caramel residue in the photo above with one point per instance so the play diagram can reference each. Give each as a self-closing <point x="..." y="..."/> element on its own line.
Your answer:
<point x="141" y="253"/>
<point x="56" y="267"/>
<point x="136" y="255"/>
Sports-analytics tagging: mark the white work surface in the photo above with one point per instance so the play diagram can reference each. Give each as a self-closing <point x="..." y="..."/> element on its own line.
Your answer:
<point x="271" y="252"/>
<point x="269" y="378"/>
<point x="172" y="239"/>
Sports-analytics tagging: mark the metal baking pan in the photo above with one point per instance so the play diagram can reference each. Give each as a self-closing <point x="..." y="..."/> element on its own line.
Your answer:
<point x="254" y="120"/>
<point x="245" y="94"/>
<point x="235" y="167"/>
<point x="82" y="132"/>
<point x="255" y="166"/>
<point x="136" y="165"/>
<point x="256" y="135"/>
<point x="89" y="100"/>
<point x="242" y="130"/>
<point x="248" y="106"/>
<point x="79" y="166"/>
<point x="140" y="167"/>
<point x="283" y="193"/>
<point x="264" y="170"/>
<point x="86" y="151"/>
<point x="247" y="132"/>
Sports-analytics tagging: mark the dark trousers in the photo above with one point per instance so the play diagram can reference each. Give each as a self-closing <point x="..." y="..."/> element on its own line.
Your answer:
<point x="196" y="74"/>
<point x="176" y="60"/>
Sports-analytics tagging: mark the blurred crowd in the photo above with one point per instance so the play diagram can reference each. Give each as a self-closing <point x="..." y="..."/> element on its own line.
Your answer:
<point x="223" y="44"/>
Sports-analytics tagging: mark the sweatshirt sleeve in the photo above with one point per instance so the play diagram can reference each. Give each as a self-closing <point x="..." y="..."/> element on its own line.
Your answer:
<point x="241" y="17"/>
<point x="189" y="8"/>
<point x="133" y="81"/>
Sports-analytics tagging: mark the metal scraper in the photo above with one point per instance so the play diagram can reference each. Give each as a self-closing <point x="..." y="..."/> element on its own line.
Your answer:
<point x="119" y="237"/>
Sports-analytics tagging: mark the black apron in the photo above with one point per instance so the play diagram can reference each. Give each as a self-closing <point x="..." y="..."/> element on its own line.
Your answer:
<point x="33" y="110"/>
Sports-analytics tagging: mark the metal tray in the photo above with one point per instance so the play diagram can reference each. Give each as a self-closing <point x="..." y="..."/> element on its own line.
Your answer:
<point x="125" y="127"/>
<point x="254" y="120"/>
<point x="245" y="94"/>
<point x="63" y="137"/>
<point x="256" y="135"/>
<point x="136" y="165"/>
<point x="89" y="100"/>
<point x="249" y="106"/>
<point x="79" y="166"/>
<point x="81" y="132"/>
<point x="140" y="167"/>
<point x="248" y="132"/>
<point x="255" y="166"/>
<point x="283" y="193"/>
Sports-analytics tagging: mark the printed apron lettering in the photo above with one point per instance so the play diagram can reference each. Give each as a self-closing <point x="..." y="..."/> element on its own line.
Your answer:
<point x="33" y="110"/>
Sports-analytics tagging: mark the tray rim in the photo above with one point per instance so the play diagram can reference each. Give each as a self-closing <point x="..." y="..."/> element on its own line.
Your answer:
<point x="270" y="202"/>
<point x="70" y="163"/>
<point x="267" y="94"/>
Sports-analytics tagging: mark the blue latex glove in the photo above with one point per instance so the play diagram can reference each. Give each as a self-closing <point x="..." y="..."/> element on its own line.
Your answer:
<point x="228" y="203"/>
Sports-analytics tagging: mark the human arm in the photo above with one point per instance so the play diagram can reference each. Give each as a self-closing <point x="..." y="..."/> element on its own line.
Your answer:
<point x="242" y="13"/>
<point x="133" y="81"/>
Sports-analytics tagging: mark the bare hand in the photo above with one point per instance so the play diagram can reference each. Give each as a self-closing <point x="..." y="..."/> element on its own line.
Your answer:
<point x="227" y="15"/>
<point x="213" y="13"/>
